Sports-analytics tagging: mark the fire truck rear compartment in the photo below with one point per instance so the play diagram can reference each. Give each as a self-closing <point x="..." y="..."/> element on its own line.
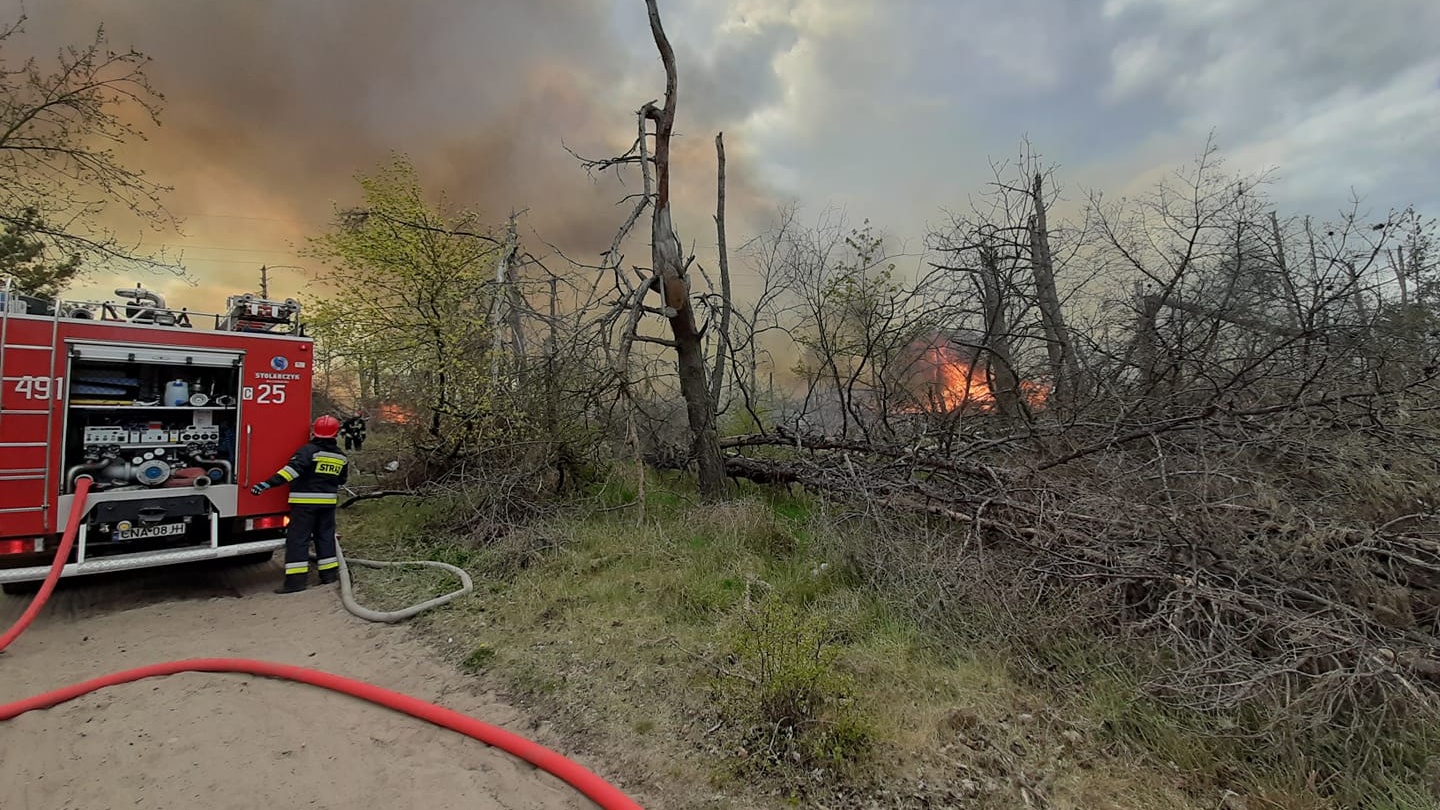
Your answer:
<point x="153" y="428"/>
<point x="133" y="424"/>
<point x="247" y="545"/>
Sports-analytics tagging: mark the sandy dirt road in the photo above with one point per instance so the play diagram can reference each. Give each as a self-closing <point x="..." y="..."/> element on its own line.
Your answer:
<point x="229" y="741"/>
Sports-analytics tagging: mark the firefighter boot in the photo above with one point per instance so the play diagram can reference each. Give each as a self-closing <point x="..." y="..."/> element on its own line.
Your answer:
<point x="297" y="551"/>
<point x="329" y="577"/>
<point x="294" y="583"/>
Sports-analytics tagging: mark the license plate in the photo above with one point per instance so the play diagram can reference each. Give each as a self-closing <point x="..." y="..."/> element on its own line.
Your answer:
<point x="145" y="532"/>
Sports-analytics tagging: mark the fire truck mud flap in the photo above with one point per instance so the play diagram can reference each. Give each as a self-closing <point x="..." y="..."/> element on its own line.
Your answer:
<point x="149" y="559"/>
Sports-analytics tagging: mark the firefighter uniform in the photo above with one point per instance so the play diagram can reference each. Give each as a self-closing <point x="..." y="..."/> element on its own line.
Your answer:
<point x="315" y="474"/>
<point x="353" y="430"/>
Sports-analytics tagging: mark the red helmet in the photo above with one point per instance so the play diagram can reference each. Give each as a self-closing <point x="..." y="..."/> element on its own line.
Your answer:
<point x="326" y="427"/>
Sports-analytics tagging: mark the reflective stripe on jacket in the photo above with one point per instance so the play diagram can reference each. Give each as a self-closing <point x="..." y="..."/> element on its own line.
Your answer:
<point x="315" y="473"/>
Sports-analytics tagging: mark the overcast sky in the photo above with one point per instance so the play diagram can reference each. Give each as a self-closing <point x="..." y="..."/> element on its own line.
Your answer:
<point x="890" y="108"/>
<point x="894" y="107"/>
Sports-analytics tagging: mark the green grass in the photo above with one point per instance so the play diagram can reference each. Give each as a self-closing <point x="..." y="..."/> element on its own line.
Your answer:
<point x="727" y="655"/>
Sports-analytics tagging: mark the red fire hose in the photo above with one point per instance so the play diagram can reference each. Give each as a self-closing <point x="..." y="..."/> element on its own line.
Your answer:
<point x="596" y="789"/>
<point x="67" y="541"/>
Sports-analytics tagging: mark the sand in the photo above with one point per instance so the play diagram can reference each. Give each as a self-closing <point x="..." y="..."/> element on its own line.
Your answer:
<point x="230" y="741"/>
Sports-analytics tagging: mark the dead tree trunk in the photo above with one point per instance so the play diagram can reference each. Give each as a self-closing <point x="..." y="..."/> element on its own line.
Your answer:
<point x="1282" y="266"/>
<point x="722" y="338"/>
<point x="1146" y="351"/>
<point x="1397" y="263"/>
<point x="1064" y="365"/>
<point x="516" y="300"/>
<point x="552" y="348"/>
<point x="502" y="280"/>
<point x="1003" y="381"/>
<point x="670" y="267"/>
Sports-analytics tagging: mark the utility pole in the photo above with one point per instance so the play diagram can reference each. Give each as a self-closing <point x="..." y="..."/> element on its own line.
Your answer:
<point x="264" y="282"/>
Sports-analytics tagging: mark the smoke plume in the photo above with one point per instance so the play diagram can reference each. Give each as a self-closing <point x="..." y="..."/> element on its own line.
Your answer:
<point x="273" y="106"/>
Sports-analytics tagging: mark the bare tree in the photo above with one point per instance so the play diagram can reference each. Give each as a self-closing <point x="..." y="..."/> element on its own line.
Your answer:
<point x="1000" y="360"/>
<point x="668" y="278"/>
<point x="1002" y="254"/>
<point x="854" y="328"/>
<point x="722" y="343"/>
<point x="58" y="169"/>
<point x="1064" y="363"/>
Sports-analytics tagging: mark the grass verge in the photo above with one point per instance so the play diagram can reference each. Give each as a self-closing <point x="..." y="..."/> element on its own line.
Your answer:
<point x="729" y="655"/>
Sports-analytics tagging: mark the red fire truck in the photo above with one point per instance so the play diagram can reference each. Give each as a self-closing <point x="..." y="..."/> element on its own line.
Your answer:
<point x="171" y="414"/>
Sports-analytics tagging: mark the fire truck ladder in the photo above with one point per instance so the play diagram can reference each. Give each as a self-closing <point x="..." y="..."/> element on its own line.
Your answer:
<point x="17" y="458"/>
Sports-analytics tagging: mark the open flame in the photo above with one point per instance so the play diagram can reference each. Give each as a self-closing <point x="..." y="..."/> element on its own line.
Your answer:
<point x="395" y="414"/>
<point x="953" y="383"/>
<point x="946" y="381"/>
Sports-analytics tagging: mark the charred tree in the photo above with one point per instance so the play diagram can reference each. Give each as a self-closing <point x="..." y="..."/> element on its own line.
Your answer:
<point x="1064" y="367"/>
<point x="722" y="343"/>
<point x="999" y="360"/>
<point x="669" y="266"/>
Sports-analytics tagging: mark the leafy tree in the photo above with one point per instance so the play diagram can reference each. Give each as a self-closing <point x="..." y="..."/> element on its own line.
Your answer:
<point x="23" y="259"/>
<point x="410" y="312"/>
<point x="849" y="314"/>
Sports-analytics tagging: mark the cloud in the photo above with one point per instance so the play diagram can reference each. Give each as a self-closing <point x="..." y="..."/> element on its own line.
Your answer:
<point x="1332" y="93"/>
<point x="1381" y="142"/>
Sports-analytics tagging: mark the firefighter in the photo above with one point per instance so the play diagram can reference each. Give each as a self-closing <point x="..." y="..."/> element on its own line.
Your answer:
<point x="315" y="474"/>
<point x="353" y="429"/>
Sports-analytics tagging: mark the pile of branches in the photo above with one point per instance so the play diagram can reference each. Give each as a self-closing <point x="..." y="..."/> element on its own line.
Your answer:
<point x="1267" y="587"/>
<point x="482" y="495"/>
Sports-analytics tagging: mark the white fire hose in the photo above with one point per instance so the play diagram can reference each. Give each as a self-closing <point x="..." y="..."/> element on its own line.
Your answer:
<point x="347" y="592"/>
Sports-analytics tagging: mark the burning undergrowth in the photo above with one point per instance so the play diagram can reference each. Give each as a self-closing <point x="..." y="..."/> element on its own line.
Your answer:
<point x="951" y="372"/>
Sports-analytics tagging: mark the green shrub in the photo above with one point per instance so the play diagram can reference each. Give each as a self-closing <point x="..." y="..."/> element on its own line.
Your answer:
<point x="789" y="701"/>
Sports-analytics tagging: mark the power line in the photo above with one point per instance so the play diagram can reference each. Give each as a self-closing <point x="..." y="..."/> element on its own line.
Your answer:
<point x="253" y="219"/>
<point x="230" y="249"/>
<point x="200" y="259"/>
